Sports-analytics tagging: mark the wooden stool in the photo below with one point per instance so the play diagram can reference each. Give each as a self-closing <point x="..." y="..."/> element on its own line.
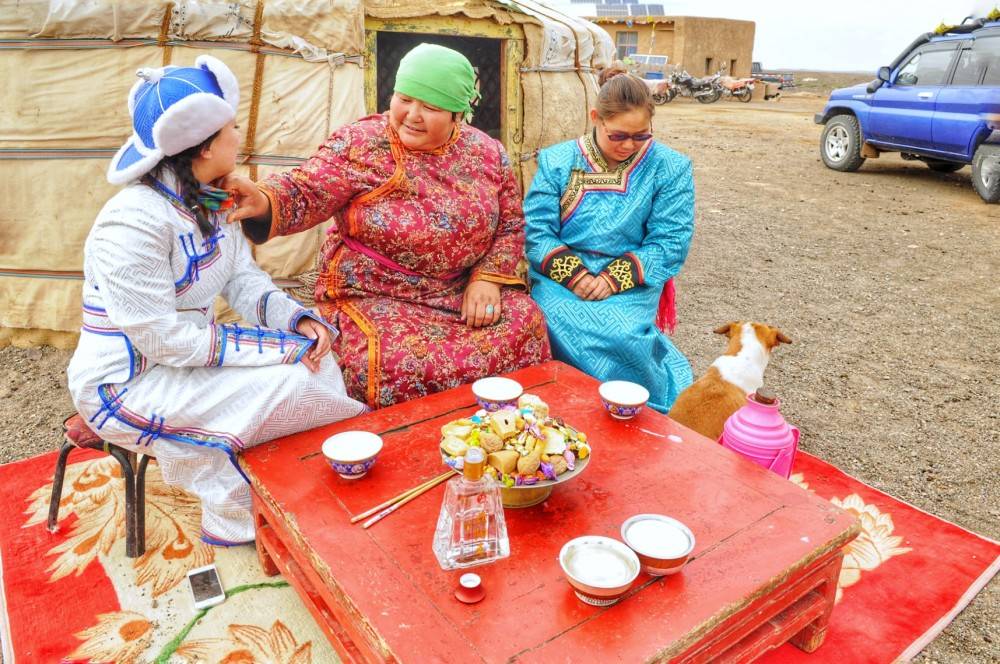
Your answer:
<point x="78" y="434"/>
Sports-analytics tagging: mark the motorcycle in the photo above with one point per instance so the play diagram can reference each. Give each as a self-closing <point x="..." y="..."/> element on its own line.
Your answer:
<point x="738" y="88"/>
<point x="660" y="90"/>
<point x="706" y="90"/>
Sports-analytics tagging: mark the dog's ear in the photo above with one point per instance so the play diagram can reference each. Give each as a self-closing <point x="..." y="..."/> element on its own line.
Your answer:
<point x="725" y="329"/>
<point x="783" y="338"/>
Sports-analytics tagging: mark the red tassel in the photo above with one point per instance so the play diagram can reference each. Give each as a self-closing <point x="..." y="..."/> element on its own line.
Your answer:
<point x="666" y="313"/>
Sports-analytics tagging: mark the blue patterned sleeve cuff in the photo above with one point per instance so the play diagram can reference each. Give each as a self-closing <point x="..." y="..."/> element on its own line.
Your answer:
<point x="233" y="345"/>
<point x="305" y="313"/>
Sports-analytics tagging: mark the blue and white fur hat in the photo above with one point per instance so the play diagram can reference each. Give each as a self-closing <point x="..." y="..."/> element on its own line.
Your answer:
<point x="173" y="109"/>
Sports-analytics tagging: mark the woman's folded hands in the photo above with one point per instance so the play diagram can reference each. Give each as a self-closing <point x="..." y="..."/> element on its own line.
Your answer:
<point x="593" y="287"/>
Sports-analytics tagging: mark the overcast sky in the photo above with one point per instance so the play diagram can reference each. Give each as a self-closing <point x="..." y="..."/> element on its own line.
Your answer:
<point x="844" y="35"/>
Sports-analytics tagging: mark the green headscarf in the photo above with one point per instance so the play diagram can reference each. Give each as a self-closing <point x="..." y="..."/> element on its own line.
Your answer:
<point x="439" y="76"/>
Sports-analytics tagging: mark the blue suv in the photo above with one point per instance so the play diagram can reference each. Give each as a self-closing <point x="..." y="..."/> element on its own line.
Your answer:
<point x="938" y="102"/>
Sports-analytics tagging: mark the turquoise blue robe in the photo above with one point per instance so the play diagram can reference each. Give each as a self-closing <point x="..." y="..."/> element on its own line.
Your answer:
<point x="632" y="226"/>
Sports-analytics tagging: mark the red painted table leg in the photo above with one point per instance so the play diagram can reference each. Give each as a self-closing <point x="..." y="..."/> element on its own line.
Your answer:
<point x="812" y="636"/>
<point x="266" y="563"/>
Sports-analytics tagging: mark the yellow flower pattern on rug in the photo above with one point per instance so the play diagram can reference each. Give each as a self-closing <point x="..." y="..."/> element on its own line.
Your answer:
<point x="156" y="620"/>
<point x="249" y="643"/>
<point x="96" y="495"/>
<point x="117" y="637"/>
<point x="875" y="545"/>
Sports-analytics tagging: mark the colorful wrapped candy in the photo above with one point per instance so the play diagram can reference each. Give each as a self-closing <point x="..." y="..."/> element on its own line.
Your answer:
<point x="524" y="444"/>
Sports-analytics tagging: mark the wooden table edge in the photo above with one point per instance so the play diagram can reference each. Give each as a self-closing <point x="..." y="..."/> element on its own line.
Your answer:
<point x="817" y="558"/>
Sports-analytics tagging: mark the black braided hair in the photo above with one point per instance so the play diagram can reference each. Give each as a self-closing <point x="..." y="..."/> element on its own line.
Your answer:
<point x="189" y="186"/>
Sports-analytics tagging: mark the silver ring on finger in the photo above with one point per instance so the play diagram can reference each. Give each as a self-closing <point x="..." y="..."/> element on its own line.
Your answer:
<point x="489" y="309"/>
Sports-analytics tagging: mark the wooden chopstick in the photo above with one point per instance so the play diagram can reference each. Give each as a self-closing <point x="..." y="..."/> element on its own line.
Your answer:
<point x="405" y="494"/>
<point x="416" y="493"/>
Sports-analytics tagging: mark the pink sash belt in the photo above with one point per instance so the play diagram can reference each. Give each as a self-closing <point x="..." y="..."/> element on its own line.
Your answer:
<point x="387" y="262"/>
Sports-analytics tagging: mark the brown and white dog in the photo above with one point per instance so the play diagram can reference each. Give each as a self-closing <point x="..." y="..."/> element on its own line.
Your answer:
<point x="708" y="402"/>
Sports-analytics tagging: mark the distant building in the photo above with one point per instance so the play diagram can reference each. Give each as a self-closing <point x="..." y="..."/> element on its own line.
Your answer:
<point x="699" y="45"/>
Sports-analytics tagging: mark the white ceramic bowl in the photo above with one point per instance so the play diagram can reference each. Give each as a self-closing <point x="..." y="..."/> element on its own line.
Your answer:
<point x="496" y="392"/>
<point x="352" y="453"/>
<point x="600" y="569"/>
<point x="623" y="399"/>
<point x="662" y="544"/>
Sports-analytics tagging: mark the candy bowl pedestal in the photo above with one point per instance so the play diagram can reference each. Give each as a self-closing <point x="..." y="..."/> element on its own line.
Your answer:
<point x="528" y="496"/>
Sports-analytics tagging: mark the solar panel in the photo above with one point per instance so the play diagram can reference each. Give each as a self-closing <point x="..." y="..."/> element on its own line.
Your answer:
<point x="612" y="10"/>
<point x="654" y="10"/>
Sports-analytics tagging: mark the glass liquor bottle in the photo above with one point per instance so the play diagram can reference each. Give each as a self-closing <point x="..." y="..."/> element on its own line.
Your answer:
<point x="471" y="529"/>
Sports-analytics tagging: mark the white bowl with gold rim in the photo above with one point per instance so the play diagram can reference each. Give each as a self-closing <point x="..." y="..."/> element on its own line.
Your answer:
<point x="352" y="454"/>
<point x="496" y="392"/>
<point x="623" y="399"/>
<point x="600" y="569"/>
<point x="662" y="544"/>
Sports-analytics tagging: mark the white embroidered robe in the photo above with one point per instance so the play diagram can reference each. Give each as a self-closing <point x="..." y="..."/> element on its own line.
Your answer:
<point x="154" y="373"/>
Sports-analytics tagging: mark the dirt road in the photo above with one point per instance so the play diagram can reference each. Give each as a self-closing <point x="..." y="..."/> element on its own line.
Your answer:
<point x="885" y="279"/>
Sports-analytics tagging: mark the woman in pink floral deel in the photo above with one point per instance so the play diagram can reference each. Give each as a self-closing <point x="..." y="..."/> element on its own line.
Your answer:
<point x="420" y="271"/>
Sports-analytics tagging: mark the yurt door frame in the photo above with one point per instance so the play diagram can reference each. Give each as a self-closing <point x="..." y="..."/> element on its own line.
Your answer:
<point x="511" y="44"/>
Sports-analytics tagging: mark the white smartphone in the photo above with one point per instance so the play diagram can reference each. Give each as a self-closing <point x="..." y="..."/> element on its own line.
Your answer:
<point x="206" y="587"/>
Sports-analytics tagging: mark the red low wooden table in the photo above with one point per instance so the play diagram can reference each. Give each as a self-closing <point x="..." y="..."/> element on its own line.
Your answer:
<point x="764" y="570"/>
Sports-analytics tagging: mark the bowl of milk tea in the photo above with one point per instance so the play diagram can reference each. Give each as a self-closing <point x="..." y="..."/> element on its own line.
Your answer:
<point x="662" y="544"/>
<point x="600" y="569"/>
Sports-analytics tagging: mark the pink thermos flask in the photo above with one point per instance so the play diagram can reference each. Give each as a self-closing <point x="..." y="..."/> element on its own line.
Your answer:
<point x="760" y="433"/>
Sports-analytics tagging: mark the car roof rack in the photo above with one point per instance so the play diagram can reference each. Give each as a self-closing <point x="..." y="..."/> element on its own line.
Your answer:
<point x="963" y="29"/>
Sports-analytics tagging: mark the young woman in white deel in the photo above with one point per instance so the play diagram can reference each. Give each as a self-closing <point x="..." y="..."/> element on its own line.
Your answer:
<point x="153" y="371"/>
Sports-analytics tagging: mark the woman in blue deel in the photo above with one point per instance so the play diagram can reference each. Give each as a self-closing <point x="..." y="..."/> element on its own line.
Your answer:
<point x="609" y="222"/>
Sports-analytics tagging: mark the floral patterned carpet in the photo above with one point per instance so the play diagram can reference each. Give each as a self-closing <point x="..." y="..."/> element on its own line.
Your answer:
<point x="73" y="596"/>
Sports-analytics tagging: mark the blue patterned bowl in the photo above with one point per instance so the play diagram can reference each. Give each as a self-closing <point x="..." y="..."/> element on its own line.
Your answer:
<point x="496" y="393"/>
<point x="352" y="454"/>
<point x="623" y="400"/>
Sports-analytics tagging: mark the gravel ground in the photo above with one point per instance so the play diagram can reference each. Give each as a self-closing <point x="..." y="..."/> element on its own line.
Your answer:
<point x="885" y="280"/>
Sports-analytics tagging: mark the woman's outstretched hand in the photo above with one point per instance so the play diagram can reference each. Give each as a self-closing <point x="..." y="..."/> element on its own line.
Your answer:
<point x="308" y="327"/>
<point x="590" y="287"/>
<point x="481" y="303"/>
<point x="250" y="201"/>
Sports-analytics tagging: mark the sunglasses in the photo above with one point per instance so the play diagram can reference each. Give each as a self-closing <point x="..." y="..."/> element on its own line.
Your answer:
<point x="619" y="136"/>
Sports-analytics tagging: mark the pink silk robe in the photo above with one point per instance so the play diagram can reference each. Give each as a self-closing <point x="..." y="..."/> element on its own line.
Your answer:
<point x="412" y="229"/>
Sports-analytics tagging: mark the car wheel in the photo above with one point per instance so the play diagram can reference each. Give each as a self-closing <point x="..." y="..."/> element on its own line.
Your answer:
<point x="840" y="144"/>
<point x="986" y="172"/>
<point x="943" y="166"/>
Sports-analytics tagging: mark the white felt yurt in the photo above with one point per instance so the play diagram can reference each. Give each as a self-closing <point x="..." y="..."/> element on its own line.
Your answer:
<point x="305" y="68"/>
